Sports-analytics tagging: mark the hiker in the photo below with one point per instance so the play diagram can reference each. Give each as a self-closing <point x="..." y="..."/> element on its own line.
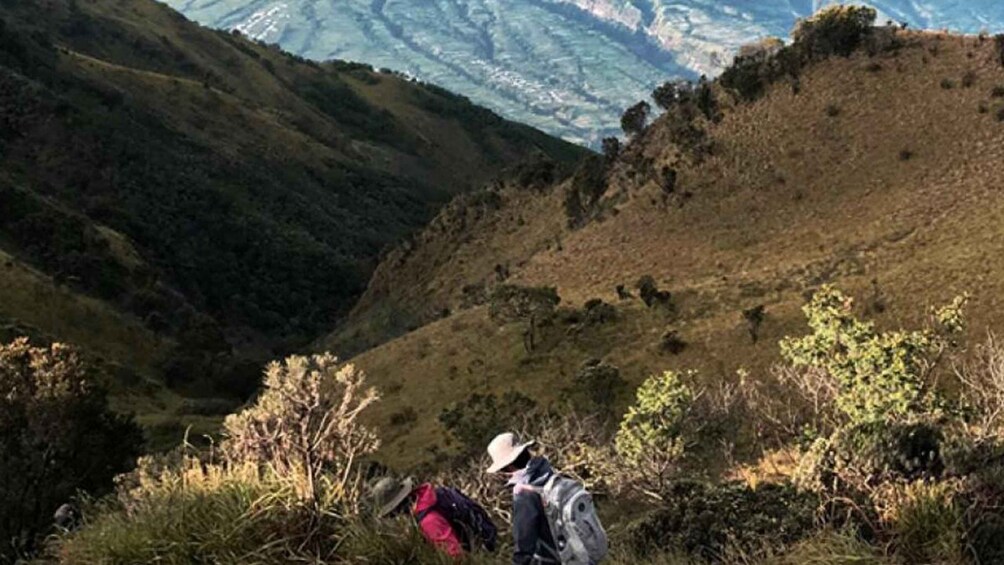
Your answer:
<point x="67" y="517"/>
<point x="448" y="519"/>
<point x="553" y="517"/>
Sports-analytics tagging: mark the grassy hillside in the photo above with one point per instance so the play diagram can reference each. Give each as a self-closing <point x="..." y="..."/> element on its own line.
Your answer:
<point x="201" y="199"/>
<point x="879" y="173"/>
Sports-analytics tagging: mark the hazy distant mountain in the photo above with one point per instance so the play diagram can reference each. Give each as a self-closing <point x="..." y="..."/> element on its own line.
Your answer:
<point x="567" y="66"/>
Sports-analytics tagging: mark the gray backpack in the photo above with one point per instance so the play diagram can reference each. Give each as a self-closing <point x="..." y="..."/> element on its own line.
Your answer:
<point x="577" y="532"/>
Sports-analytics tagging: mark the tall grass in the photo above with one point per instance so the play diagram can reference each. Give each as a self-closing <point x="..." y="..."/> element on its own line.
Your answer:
<point x="205" y="514"/>
<point x="831" y="548"/>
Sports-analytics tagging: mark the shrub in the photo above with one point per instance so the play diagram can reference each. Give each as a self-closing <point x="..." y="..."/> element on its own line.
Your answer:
<point x="589" y="182"/>
<point x="623" y="293"/>
<point x="650" y="438"/>
<point x="747" y="77"/>
<point x="999" y="46"/>
<point x="706" y="101"/>
<point x="635" y="118"/>
<point x="611" y="149"/>
<point x="474" y="422"/>
<point x="905" y="155"/>
<point x="968" y="79"/>
<point x="754" y="319"/>
<point x="758" y="65"/>
<point x="836" y="30"/>
<point x="881" y="375"/>
<point x="791" y="404"/>
<point x="673" y="93"/>
<point x="403" y="417"/>
<point x="305" y="423"/>
<point x="832" y="110"/>
<point x="672" y="342"/>
<point x="997" y="92"/>
<point x="511" y="303"/>
<point x="707" y="521"/>
<point x="57" y="435"/>
<point x="685" y="133"/>
<point x="650" y="293"/>
<point x="668" y="181"/>
<point x="981" y="389"/>
<point x="537" y="171"/>
<point x="472" y="295"/>
<point x="860" y="457"/>
<point x="984" y="528"/>
<point x="598" y="312"/>
<point x="925" y="522"/>
<point x="595" y="387"/>
<point x="947" y="83"/>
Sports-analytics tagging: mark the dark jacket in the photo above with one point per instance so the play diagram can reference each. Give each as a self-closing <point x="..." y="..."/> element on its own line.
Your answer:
<point x="533" y="539"/>
<point x="435" y="527"/>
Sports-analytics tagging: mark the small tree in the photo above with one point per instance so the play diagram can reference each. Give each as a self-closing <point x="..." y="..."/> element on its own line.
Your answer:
<point x="754" y="319"/>
<point x="705" y="99"/>
<point x="880" y="375"/>
<point x="611" y="149"/>
<point x="673" y="93"/>
<point x="635" y="118"/>
<point x="510" y="303"/>
<point x="650" y="439"/>
<point x="836" y="30"/>
<point x="305" y="423"/>
<point x="649" y="292"/>
<point x="57" y="436"/>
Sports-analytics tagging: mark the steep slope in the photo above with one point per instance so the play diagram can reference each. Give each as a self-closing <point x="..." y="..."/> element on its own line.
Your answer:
<point x="225" y="200"/>
<point x="881" y="175"/>
<point x="566" y="66"/>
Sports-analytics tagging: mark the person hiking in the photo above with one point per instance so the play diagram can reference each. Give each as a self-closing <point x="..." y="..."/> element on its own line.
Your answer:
<point x="553" y="517"/>
<point x="447" y="518"/>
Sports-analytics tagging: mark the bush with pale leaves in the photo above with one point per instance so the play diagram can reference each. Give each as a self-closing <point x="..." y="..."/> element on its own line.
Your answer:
<point x="650" y="439"/>
<point x="306" y="423"/>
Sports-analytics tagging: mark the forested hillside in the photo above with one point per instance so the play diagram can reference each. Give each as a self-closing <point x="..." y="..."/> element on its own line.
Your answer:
<point x="221" y="199"/>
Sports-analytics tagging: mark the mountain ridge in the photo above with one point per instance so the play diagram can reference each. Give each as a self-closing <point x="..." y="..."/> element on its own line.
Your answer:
<point x="873" y="173"/>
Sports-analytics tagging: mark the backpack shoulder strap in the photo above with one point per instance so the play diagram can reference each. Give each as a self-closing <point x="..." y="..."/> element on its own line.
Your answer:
<point x="421" y="515"/>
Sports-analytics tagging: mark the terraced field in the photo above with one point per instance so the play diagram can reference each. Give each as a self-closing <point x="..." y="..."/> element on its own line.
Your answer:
<point x="566" y="66"/>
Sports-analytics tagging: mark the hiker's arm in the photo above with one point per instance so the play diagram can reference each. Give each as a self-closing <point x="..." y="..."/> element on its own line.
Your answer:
<point x="438" y="531"/>
<point x="526" y="522"/>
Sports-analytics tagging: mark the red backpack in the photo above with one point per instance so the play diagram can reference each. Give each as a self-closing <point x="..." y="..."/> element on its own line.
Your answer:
<point x="468" y="519"/>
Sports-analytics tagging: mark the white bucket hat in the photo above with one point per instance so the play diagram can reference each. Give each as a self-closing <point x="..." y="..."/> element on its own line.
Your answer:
<point x="504" y="450"/>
